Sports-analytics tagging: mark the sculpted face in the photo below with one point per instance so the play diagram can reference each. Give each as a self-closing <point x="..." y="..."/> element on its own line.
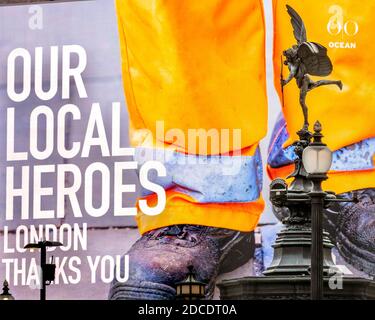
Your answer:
<point x="290" y="55"/>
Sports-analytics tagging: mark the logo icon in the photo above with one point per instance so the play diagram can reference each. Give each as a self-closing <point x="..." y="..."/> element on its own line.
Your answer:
<point x="338" y="24"/>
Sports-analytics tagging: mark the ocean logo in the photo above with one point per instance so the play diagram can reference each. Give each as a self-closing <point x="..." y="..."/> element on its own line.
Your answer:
<point x="339" y="25"/>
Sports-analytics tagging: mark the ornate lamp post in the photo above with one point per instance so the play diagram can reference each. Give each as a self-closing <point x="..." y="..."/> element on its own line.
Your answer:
<point x="48" y="269"/>
<point x="302" y="258"/>
<point x="6" y="295"/>
<point x="190" y="288"/>
<point x="317" y="160"/>
<point x="305" y="200"/>
<point x="304" y="195"/>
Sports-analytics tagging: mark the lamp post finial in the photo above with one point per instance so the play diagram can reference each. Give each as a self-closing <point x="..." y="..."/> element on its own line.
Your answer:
<point x="318" y="127"/>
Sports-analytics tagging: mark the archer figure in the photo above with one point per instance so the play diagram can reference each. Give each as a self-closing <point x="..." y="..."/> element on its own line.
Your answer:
<point x="304" y="59"/>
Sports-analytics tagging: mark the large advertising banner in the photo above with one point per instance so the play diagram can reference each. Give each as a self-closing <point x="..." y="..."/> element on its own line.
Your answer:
<point x="198" y="150"/>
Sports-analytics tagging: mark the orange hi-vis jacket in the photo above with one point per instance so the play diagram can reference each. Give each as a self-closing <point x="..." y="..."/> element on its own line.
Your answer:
<point x="345" y="28"/>
<point x="197" y="65"/>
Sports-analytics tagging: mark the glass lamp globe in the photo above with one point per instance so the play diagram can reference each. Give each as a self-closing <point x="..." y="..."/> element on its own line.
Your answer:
<point x="317" y="159"/>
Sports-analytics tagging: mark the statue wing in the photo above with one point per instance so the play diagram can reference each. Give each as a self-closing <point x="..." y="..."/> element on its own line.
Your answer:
<point x="315" y="59"/>
<point x="298" y="25"/>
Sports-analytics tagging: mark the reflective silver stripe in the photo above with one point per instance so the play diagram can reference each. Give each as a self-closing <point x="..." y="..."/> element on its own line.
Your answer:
<point x="358" y="156"/>
<point x="208" y="179"/>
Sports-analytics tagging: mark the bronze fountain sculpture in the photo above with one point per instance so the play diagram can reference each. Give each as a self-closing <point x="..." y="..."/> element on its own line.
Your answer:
<point x="304" y="59"/>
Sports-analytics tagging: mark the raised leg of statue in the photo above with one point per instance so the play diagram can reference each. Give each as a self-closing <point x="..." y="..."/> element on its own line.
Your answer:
<point x="320" y="83"/>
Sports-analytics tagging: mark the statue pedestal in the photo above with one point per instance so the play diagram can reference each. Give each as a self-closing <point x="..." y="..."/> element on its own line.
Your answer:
<point x="292" y="252"/>
<point x="293" y="288"/>
<point x="288" y="276"/>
